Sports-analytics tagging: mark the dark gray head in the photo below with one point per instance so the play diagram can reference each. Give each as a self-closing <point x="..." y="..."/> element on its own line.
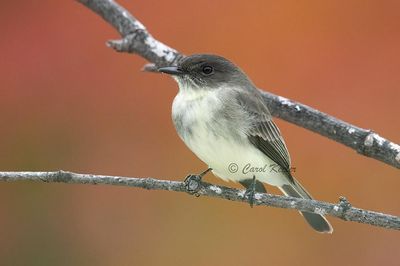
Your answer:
<point x="206" y="71"/>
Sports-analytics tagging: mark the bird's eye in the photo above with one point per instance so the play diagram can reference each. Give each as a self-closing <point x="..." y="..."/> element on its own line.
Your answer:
<point x="207" y="70"/>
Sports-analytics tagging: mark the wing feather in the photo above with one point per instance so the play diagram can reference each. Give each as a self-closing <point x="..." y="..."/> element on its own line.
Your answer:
<point x="263" y="132"/>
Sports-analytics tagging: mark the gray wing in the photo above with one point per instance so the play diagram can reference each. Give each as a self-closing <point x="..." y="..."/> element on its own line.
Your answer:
<point x="263" y="133"/>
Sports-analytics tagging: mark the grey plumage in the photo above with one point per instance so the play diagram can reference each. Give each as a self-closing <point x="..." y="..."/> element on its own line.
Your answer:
<point x="264" y="134"/>
<point x="316" y="221"/>
<point x="222" y="118"/>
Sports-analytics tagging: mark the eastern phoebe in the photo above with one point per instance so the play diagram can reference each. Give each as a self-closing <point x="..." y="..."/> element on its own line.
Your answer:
<point x="222" y="118"/>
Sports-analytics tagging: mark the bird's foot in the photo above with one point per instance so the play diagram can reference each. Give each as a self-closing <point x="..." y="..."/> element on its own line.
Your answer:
<point x="251" y="191"/>
<point x="193" y="182"/>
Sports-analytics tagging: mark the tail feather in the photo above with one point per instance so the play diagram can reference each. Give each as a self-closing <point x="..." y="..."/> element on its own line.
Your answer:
<point x="316" y="221"/>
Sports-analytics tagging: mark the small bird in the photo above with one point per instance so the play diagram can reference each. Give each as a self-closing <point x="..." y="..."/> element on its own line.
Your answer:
<point x="221" y="116"/>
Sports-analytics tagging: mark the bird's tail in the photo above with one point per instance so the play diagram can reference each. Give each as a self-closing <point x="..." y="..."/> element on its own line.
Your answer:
<point x="316" y="221"/>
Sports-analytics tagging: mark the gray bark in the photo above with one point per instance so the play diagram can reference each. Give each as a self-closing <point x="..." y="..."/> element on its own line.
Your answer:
<point x="136" y="39"/>
<point x="342" y="210"/>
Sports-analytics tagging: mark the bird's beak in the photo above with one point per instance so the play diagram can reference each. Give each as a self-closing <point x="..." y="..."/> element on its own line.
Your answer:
<point x="172" y="70"/>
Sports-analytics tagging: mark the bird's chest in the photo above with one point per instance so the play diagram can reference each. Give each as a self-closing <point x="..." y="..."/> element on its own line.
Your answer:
<point x="196" y="117"/>
<point x="201" y="123"/>
<point x="206" y="128"/>
<point x="215" y="132"/>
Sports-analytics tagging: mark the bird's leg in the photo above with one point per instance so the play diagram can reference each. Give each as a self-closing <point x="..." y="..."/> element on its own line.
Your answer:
<point x="193" y="182"/>
<point x="250" y="191"/>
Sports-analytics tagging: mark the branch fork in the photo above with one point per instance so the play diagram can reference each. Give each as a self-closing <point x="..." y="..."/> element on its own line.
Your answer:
<point x="136" y="39"/>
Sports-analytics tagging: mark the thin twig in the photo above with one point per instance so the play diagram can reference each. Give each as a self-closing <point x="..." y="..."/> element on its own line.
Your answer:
<point x="136" y="39"/>
<point x="342" y="210"/>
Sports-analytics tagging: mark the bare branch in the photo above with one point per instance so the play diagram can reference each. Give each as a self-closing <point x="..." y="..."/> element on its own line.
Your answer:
<point x="364" y="141"/>
<point x="342" y="210"/>
<point x="136" y="39"/>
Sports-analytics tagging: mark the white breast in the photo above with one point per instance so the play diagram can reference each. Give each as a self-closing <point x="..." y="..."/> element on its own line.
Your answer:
<point x="231" y="156"/>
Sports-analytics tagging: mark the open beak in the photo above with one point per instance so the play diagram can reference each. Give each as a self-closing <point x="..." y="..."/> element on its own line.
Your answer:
<point x="172" y="70"/>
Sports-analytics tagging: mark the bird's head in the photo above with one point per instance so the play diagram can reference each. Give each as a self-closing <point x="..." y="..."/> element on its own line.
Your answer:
<point x="206" y="71"/>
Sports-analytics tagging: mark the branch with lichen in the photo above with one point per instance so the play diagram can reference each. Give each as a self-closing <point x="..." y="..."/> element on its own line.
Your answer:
<point x="136" y="39"/>
<point x="342" y="210"/>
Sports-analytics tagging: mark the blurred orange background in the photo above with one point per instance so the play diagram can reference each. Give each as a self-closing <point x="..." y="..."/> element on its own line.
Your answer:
<point x="69" y="102"/>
